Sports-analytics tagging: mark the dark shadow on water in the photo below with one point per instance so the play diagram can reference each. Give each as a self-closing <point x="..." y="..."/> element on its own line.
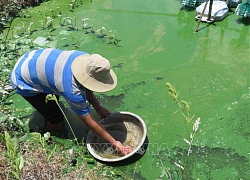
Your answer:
<point x="206" y="26"/>
<point x="110" y="102"/>
<point x="120" y="65"/>
<point x="137" y="156"/>
<point x="214" y="159"/>
<point x="243" y="20"/>
<point x="131" y="86"/>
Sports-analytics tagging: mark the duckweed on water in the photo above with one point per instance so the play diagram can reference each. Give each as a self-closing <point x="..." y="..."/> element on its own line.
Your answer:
<point x="210" y="68"/>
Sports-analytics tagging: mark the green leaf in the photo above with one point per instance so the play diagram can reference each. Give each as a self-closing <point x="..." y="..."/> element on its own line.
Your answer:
<point x="3" y="91"/>
<point x="52" y="152"/>
<point x="3" y="117"/>
<point x="90" y="160"/>
<point x="16" y="175"/>
<point x="186" y="106"/>
<point x="50" y="97"/>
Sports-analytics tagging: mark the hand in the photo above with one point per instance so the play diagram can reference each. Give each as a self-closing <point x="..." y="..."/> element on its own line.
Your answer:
<point x="124" y="150"/>
<point x="103" y="112"/>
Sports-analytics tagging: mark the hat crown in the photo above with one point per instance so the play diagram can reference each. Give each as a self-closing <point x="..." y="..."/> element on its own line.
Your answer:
<point x="94" y="72"/>
<point x="98" y="67"/>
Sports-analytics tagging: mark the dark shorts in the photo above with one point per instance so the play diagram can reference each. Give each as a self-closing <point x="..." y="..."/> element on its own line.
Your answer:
<point x="50" y="111"/>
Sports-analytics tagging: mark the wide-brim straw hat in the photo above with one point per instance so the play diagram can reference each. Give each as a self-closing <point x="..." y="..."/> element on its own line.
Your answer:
<point x="94" y="73"/>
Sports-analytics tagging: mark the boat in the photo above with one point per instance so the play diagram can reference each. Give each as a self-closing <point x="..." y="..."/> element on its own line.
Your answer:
<point x="230" y="3"/>
<point x="219" y="11"/>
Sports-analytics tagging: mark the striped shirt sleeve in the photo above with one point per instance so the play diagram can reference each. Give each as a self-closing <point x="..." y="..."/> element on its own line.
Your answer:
<point x="78" y="103"/>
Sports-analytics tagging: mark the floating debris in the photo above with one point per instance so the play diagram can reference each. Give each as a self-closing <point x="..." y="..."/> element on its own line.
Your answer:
<point x="218" y="13"/>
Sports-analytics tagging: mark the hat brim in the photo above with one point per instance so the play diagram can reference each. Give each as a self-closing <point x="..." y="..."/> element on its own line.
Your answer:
<point x="105" y="84"/>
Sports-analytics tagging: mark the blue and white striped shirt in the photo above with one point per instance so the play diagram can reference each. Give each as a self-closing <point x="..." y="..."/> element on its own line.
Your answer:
<point x="49" y="71"/>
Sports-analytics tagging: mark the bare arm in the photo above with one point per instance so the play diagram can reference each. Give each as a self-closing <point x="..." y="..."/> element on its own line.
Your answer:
<point x="101" y="111"/>
<point x="97" y="129"/>
<point x="101" y="132"/>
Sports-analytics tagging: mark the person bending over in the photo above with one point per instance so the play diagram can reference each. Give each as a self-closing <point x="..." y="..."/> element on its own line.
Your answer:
<point x="73" y="74"/>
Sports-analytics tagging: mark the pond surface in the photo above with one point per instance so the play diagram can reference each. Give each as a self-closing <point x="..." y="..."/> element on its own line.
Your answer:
<point x="210" y="69"/>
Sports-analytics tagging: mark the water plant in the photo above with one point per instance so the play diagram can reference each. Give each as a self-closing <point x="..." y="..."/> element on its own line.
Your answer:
<point x="62" y="21"/>
<point x="85" y="25"/>
<point x="49" y="23"/>
<point x="29" y="31"/>
<point x="71" y="22"/>
<point x="116" y="41"/>
<point x="56" y="13"/>
<point x="15" y="158"/>
<point x="74" y="4"/>
<point x="50" y="36"/>
<point x="65" y="42"/>
<point x="84" y="20"/>
<point x="182" y="104"/>
<point x="71" y="7"/>
<point x="113" y="38"/>
<point x="92" y="28"/>
<point x="185" y="111"/>
<point x="101" y="31"/>
<point x="76" y="44"/>
<point x="185" y="108"/>
<point x="19" y="31"/>
<point x="191" y="137"/>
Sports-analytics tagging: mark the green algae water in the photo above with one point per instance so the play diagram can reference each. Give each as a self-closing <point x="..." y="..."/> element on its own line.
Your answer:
<point x="156" y="44"/>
